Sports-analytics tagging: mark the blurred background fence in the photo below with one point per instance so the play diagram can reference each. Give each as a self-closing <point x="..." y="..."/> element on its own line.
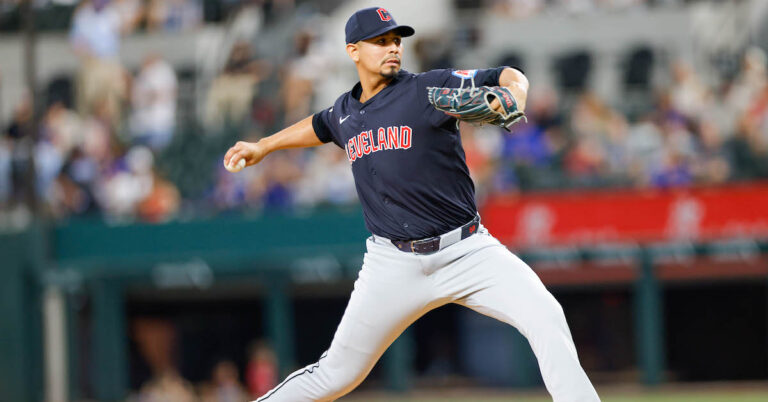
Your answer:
<point x="134" y="265"/>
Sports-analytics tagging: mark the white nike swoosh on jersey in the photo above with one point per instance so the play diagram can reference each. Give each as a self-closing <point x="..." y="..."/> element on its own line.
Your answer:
<point x="341" y="120"/>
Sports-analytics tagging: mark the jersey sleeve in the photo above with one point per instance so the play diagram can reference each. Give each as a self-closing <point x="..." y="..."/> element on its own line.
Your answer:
<point x="451" y="78"/>
<point x="322" y="124"/>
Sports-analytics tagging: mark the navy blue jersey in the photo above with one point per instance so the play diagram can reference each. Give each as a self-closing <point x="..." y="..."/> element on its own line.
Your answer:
<point x="407" y="160"/>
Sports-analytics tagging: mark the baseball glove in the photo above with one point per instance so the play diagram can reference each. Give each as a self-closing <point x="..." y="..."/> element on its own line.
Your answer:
<point x="473" y="104"/>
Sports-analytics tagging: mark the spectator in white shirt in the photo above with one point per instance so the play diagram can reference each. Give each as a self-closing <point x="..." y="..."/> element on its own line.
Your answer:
<point x="95" y="38"/>
<point x="153" y="119"/>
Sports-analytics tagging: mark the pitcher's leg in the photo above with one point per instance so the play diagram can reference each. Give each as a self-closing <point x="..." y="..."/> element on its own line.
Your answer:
<point x="385" y="301"/>
<point x="508" y="290"/>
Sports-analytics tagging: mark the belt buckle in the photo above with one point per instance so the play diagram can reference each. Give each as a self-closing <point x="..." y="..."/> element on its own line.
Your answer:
<point x="430" y="241"/>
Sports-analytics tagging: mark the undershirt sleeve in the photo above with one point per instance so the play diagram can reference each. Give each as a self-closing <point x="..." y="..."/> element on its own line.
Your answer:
<point x="489" y="76"/>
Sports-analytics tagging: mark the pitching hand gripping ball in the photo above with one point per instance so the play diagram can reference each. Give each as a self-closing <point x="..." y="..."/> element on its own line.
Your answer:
<point x="236" y="167"/>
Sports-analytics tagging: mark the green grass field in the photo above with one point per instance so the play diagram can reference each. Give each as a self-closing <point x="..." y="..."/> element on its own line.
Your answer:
<point x="706" y="393"/>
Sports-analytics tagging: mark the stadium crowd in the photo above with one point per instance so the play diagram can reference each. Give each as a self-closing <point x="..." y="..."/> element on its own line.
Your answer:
<point x="117" y="147"/>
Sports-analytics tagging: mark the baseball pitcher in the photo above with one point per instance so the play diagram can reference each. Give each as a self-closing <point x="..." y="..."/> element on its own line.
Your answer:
<point x="427" y="247"/>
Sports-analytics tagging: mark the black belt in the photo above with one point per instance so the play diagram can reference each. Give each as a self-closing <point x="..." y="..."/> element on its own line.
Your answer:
<point x="432" y="244"/>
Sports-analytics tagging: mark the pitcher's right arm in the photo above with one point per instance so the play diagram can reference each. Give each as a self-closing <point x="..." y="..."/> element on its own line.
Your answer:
<point x="299" y="135"/>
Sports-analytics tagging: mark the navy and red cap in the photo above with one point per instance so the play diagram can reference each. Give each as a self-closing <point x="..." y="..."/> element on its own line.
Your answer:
<point x="370" y="22"/>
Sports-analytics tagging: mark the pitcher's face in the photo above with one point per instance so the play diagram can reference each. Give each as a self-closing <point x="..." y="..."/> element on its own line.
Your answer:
<point x="379" y="55"/>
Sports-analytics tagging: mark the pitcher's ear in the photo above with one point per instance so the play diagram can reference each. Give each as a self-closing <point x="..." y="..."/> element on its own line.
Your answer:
<point x="353" y="50"/>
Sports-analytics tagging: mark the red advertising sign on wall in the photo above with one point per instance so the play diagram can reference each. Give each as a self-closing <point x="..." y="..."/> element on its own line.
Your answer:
<point x="591" y="217"/>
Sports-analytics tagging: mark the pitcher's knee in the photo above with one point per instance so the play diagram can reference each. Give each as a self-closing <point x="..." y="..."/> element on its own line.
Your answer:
<point x="340" y="386"/>
<point x="344" y="379"/>
<point x="550" y="313"/>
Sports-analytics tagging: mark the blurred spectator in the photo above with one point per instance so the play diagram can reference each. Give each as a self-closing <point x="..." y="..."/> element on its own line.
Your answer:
<point x="326" y="178"/>
<point x="95" y="38"/>
<point x="261" y="372"/>
<point x="749" y="148"/>
<point x="98" y="136"/>
<point x="174" y="15"/>
<point x="298" y="78"/>
<point x="673" y="172"/>
<point x="231" y="94"/>
<point x="518" y="9"/>
<point x="246" y="21"/>
<point x="73" y="189"/>
<point x="48" y="164"/>
<point x="709" y="161"/>
<point x="167" y="386"/>
<point x="525" y="154"/>
<point x="62" y="127"/>
<point x="131" y="14"/>
<point x="645" y="149"/>
<point x="599" y="137"/>
<point x="687" y="90"/>
<point x="156" y="340"/>
<point x="19" y="144"/>
<point x="153" y="99"/>
<point x="128" y="181"/>
<point x="230" y="190"/>
<point x="67" y="187"/>
<point x="60" y="132"/>
<point x="751" y="80"/>
<point x="481" y="148"/>
<point x="282" y="176"/>
<point x="162" y="203"/>
<point x="226" y="385"/>
<point x="18" y="127"/>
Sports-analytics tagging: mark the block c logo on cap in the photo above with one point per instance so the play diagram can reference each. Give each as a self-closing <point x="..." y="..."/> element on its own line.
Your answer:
<point x="384" y="14"/>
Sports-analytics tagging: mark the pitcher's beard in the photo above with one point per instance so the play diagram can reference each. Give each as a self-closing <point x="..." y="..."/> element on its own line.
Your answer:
<point x="389" y="72"/>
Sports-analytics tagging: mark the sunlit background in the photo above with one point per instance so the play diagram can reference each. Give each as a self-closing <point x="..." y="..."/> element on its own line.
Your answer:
<point x="135" y="267"/>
